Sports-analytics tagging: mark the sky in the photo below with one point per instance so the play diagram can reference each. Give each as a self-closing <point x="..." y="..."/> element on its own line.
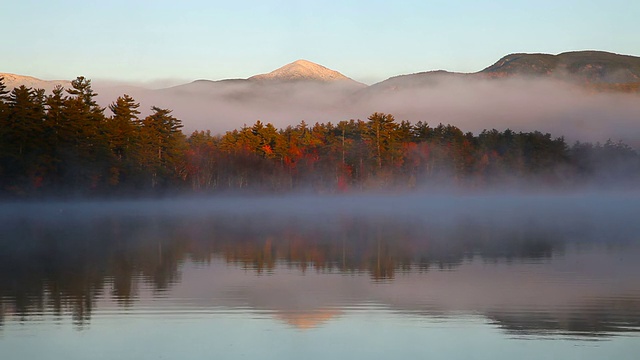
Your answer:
<point x="178" y="41"/>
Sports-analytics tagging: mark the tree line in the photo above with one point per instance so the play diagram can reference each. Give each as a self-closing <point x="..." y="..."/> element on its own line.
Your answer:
<point x="64" y="143"/>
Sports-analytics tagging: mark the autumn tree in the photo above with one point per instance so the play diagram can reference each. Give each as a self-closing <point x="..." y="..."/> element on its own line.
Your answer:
<point x="203" y="160"/>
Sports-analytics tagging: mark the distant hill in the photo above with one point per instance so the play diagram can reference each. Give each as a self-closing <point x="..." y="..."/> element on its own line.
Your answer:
<point x="597" y="67"/>
<point x="411" y="81"/>
<point x="14" y="81"/>
<point x="596" y="70"/>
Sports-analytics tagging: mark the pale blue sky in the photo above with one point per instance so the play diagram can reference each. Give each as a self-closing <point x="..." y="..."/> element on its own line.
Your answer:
<point x="366" y="40"/>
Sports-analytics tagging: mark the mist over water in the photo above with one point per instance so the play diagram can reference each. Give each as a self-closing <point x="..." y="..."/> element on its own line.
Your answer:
<point x="600" y="207"/>
<point x="509" y="267"/>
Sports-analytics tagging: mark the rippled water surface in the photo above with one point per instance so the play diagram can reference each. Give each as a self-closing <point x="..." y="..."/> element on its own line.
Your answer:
<point x="405" y="276"/>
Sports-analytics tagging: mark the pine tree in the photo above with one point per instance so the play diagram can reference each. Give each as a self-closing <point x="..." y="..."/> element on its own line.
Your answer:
<point x="4" y="127"/>
<point x="381" y="135"/>
<point x="163" y="147"/>
<point x="123" y="137"/>
<point x="86" y="159"/>
<point x="22" y="138"/>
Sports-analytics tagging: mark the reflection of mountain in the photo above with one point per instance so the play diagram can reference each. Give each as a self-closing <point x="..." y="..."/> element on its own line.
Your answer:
<point x="307" y="320"/>
<point x="62" y="261"/>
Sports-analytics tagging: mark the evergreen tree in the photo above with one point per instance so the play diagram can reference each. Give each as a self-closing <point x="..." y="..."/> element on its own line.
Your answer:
<point x="163" y="147"/>
<point x="22" y="139"/>
<point x="4" y="98"/>
<point x="4" y="127"/>
<point x="85" y="157"/>
<point x="123" y="136"/>
<point x="382" y="137"/>
<point x="58" y="135"/>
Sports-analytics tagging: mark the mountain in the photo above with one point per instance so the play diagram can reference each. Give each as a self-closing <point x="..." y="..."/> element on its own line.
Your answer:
<point x="593" y="69"/>
<point x="13" y="81"/>
<point x="581" y="66"/>
<point x="296" y="91"/>
<point x="516" y="91"/>
<point x="303" y="70"/>
<point x="596" y="69"/>
<point x="411" y="81"/>
<point x="289" y="80"/>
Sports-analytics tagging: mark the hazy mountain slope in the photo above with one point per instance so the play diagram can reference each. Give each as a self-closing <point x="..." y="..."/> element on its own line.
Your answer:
<point x="13" y="81"/>
<point x="289" y="85"/>
<point x="411" y="81"/>
<point x="301" y="90"/>
<point x="231" y="89"/>
<point x="522" y="64"/>
<point x="561" y="94"/>
<point x="581" y="66"/>
<point x="596" y="69"/>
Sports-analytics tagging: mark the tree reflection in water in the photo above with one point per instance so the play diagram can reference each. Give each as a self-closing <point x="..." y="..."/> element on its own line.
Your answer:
<point x="62" y="265"/>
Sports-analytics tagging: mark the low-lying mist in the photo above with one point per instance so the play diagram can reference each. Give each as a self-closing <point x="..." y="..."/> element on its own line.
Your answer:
<point x="521" y="104"/>
<point x="527" y="261"/>
<point x="610" y="211"/>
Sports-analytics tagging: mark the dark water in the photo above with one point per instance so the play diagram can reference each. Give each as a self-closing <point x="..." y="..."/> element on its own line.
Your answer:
<point x="405" y="276"/>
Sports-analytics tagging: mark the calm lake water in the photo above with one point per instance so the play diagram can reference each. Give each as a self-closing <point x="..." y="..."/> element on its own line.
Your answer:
<point x="302" y="277"/>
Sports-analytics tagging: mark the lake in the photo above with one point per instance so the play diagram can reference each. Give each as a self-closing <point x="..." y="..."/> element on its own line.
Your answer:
<point x="452" y="276"/>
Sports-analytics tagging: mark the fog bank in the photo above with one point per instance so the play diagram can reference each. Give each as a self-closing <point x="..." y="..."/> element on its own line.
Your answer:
<point x="521" y="104"/>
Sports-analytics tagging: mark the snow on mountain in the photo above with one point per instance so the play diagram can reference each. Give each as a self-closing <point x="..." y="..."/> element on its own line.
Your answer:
<point x="13" y="81"/>
<point x="302" y="70"/>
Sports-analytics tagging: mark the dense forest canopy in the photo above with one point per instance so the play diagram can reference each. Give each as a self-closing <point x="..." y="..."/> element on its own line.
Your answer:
<point x="63" y="143"/>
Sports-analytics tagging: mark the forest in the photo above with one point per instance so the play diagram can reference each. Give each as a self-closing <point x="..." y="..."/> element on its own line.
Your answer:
<point x="65" y="144"/>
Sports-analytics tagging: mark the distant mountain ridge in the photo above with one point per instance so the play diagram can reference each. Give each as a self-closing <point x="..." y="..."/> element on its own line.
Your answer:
<point x="587" y="66"/>
<point x="597" y="68"/>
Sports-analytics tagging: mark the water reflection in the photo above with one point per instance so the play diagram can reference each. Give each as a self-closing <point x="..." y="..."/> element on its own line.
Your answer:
<point x="567" y="271"/>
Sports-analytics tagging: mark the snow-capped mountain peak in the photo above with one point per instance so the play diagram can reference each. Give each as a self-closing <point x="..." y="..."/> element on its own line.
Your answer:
<point x="302" y="70"/>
